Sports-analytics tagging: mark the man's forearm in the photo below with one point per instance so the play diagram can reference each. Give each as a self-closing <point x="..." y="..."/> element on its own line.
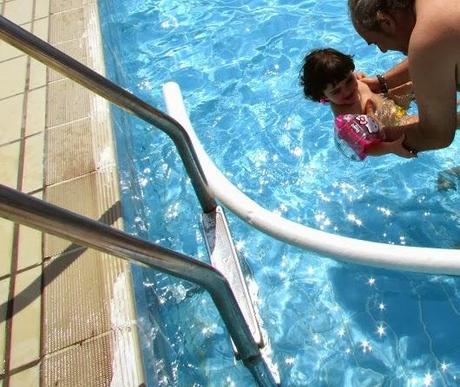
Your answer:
<point x="415" y="139"/>
<point x="398" y="75"/>
<point x="391" y="79"/>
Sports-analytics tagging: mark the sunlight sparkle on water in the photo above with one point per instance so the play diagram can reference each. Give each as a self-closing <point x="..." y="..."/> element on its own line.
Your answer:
<point x="384" y="211"/>
<point x="173" y="211"/>
<point x="354" y="219"/>
<point x="366" y="346"/>
<point x="324" y="197"/>
<point x="444" y="366"/>
<point x="428" y="379"/>
<point x="381" y="330"/>
<point x="239" y="245"/>
<point x="297" y="151"/>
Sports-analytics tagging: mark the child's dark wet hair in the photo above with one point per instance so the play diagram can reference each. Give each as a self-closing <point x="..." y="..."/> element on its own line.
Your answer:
<point x="321" y="67"/>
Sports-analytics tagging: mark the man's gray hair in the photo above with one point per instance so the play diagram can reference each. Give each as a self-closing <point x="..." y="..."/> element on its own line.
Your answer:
<point x="364" y="12"/>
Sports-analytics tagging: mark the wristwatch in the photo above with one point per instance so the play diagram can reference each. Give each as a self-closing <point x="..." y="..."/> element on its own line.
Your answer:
<point x="383" y="83"/>
<point x="412" y="151"/>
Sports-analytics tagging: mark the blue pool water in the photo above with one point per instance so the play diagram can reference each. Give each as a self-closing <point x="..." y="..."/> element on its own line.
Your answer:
<point x="327" y="323"/>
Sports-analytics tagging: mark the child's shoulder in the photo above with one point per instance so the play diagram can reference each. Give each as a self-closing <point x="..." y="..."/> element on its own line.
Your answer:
<point x="363" y="87"/>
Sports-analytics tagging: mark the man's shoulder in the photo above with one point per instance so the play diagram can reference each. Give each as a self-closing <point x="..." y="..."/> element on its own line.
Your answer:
<point x="438" y="21"/>
<point x="435" y="37"/>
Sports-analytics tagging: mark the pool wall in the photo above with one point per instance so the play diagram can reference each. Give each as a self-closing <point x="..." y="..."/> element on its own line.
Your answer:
<point x="67" y="314"/>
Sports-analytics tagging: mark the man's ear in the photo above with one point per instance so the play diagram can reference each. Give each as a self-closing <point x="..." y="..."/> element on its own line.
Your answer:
<point x="386" y="22"/>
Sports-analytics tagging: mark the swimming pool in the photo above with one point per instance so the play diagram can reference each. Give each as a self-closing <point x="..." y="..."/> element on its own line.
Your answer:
<point x="330" y="323"/>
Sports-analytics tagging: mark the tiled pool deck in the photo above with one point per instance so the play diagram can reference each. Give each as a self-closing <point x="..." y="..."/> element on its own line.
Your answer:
<point x="67" y="314"/>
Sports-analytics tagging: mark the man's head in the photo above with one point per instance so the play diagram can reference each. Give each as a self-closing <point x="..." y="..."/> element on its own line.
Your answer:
<point x="386" y="23"/>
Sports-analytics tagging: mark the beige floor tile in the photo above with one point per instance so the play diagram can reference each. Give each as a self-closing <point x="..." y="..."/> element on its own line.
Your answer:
<point x="33" y="163"/>
<point x="97" y="365"/>
<point x="41" y="28"/>
<point x="74" y="318"/>
<point x="37" y="74"/>
<point x="4" y="291"/>
<point x="38" y="69"/>
<point x="13" y="76"/>
<point x="30" y="377"/>
<point x="29" y="247"/>
<point x="67" y="26"/>
<point x="19" y="11"/>
<point x="9" y="154"/>
<point x="78" y="195"/>
<point x="42" y="8"/>
<point x="12" y="115"/>
<point x="65" y="5"/>
<point x="25" y="332"/>
<point x="91" y="358"/>
<point x="74" y="48"/>
<point x="7" y="51"/>
<point x="70" y="151"/>
<point x="6" y="247"/>
<point x="36" y="111"/>
<point x="30" y="242"/>
<point x="67" y="102"/>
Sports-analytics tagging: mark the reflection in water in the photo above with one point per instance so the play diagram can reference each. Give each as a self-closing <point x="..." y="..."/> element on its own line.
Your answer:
<point x="448" y="179"/>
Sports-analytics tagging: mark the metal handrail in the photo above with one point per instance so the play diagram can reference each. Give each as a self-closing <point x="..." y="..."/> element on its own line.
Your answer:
<point x="21" y="208"/>
<point x="57" y="60"/>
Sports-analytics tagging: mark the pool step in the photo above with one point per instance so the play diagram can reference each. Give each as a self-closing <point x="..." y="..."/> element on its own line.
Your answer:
<point x="224" y="258"/>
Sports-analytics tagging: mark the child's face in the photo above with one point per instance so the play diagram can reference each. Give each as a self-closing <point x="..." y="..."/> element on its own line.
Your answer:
<point x="343" y="93"/>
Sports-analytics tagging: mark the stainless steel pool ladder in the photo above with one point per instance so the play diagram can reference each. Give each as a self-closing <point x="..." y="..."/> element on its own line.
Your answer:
<point x="230" y="294"/>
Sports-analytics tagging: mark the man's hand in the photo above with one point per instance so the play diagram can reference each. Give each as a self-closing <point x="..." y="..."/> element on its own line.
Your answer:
<point x="373" y="83"/>
<point x="360" y="75"/>
<point x="397" y="147"/>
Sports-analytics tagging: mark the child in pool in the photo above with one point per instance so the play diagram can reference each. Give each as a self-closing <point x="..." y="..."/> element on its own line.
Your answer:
<point x="328" y="75"/>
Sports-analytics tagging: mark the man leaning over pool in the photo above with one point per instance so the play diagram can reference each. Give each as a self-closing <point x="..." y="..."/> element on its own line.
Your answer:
<point x="428" y="32"/>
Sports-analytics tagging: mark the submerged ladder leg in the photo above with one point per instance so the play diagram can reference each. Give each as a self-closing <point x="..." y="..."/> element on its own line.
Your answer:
<point x="223" y="257"/>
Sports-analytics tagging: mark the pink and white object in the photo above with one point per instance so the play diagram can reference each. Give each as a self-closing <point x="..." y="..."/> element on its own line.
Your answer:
<point x="358" y="132"/>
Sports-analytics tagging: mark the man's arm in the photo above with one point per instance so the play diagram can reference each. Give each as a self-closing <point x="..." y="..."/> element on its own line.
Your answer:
<point x="432" y="67"/>
<point x="387" y="147"/>
<point x="394" y="77"/>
